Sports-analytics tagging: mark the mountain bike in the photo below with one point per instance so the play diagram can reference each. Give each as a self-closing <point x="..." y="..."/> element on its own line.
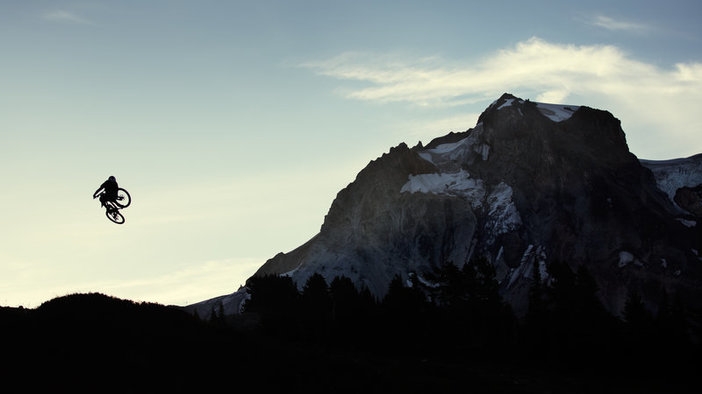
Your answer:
<point x="112" y="208"/>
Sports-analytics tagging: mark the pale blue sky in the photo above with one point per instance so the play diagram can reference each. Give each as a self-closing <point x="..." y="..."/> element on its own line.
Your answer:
<point x="234" y="124"/>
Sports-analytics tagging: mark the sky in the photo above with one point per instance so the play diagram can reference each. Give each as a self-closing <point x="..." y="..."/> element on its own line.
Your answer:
<point x="234" y="124"/>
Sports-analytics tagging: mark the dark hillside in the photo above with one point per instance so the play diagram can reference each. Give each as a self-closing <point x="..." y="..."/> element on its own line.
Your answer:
<point x="95" y="343"/>
<point x="336" y="339"/>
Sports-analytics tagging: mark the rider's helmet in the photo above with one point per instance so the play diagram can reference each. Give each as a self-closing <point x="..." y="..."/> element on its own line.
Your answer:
<point x="111" y="179"/>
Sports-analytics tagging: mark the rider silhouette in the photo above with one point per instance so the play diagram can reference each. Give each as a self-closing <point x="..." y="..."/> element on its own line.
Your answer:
<point x="110" y="187"/>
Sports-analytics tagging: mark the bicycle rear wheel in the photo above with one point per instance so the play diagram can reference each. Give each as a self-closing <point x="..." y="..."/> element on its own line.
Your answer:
<point x="123" y="198"/>
<point x="115" y="216"/>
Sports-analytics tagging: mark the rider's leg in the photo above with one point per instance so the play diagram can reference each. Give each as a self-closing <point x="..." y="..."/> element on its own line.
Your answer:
<point x="106" y="203"/>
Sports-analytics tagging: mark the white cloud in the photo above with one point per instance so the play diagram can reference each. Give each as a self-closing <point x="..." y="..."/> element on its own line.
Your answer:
<point x="657" y="105"/>
<point x="63" y="16"/>
<point x="618" y="25"/>
<point x="548" y="69"/>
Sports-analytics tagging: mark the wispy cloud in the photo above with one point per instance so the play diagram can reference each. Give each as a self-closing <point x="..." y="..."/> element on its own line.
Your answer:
<point x="608" y="23"/>
<point x="552" y="71"/>
<point x="647" y="96"/>
<point x="63" y="16"/>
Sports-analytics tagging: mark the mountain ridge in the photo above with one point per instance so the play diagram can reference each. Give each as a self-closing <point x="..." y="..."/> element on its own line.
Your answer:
<point x="530" y="184"/>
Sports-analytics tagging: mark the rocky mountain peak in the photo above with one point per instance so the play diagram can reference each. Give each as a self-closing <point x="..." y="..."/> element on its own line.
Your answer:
<point x="530" y="185"/>
<point x="381" y="176"/>
<point x="549" y="128"/>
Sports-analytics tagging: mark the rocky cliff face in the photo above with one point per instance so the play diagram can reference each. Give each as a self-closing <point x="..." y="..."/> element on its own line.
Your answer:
<point x="529" y="185"/>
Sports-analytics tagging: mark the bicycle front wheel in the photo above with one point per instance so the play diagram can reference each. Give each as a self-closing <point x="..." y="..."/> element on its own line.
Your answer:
<point x="123" y="198"/>
<point x="115" y="216"/>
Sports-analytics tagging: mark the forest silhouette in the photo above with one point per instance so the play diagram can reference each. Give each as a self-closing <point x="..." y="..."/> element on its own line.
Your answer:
<point x="454" y="336"/>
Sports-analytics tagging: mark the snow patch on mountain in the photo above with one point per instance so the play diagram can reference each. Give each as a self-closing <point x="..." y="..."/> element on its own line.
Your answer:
<point x="674" y="174"/>
<point x="458" y="184"/>
<point x="502" y="206"/>
<point x="452" y="180"/>
<point x="687" y="223"/>
<point x="503" y="215"/>
<point x="557" y="112"/>
<point x="507" y="103"/>
<point x="468" y="149"/>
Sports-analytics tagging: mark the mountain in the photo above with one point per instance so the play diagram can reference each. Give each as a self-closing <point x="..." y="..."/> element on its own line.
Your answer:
<point x="532" y="184"/>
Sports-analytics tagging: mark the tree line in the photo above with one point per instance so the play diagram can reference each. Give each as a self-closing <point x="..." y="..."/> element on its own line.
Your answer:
<point x="445" y="332"/>
<point x="458" y="313"/>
